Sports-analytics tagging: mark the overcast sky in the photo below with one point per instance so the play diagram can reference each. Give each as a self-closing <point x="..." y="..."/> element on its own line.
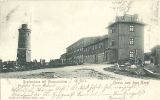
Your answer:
<point x="57" y="24"/>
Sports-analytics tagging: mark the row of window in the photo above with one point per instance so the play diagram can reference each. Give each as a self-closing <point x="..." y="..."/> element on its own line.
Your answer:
<point x="94" y="47"/>
<point x="91" y="55"/>
<point x="132" y="54"/>
<point x="131" y="29"/>
<point x="78" y="57"/>
<point x="78" y="50"/>
<point x="75" y="51"/>
<point x="131" y="42"/>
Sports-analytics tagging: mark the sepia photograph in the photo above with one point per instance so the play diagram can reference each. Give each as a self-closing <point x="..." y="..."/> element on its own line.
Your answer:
<point x="79" y="49"/>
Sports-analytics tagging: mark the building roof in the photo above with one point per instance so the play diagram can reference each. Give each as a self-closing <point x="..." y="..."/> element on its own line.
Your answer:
<point x="90" y="40"/>
<point x="126" y="19"/>
<point x="156" y="47"/>
<point x="98" y="39"/>
<point x="82" y="39"/>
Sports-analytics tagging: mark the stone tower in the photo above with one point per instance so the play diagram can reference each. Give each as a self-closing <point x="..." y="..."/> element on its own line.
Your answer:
<point x="24" y="46"/>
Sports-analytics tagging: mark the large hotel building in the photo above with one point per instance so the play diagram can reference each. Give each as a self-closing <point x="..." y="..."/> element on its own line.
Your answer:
<point x="125" y="40"/>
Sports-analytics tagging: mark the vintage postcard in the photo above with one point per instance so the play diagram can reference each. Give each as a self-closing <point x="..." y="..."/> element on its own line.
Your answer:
<point x="79" y="49"/>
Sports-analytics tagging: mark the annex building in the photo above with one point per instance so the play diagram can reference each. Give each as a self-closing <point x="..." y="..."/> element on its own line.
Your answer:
<point x="125" y="40"/>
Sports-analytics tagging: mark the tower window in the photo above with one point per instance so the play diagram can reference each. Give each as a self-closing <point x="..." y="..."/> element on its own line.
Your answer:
<point x="100" y="45"/>
<point x="112" y="42"/>
<point x="113" y="30"/>
<point x="131" y="54"/>
<point x="131" y="42"/>
<point x="131" y="28"/>
<point x="96" y="46"/>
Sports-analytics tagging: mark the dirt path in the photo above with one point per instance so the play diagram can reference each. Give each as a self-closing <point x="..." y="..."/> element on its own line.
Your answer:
<point x="80" y="71"/>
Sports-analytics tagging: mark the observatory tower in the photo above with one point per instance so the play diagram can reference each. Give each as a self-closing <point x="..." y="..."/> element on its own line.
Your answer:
<point x="24" y="45"/>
